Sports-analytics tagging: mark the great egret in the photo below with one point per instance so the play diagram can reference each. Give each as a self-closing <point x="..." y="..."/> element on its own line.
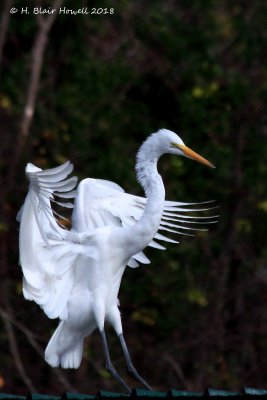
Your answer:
<point x="75" y="274"/>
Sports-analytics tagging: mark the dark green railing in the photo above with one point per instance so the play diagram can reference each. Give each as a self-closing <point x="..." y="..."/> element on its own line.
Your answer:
<point x="146" y="394"/>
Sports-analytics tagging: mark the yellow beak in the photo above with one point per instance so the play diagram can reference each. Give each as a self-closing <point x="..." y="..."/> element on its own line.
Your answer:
<point x="191" y="154"/>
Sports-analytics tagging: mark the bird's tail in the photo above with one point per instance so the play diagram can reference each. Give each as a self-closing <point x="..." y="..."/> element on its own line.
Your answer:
<point x="72" y="357"/>
<point x="64" y="349"/>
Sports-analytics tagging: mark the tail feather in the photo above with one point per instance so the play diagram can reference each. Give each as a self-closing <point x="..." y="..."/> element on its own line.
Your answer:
<point x="51" y="352"/>
<point x="64" y="348"/>
<point x="72" y="358"/>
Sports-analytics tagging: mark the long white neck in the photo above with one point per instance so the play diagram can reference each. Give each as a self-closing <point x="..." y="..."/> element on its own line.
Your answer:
<point x="151" y="181"/>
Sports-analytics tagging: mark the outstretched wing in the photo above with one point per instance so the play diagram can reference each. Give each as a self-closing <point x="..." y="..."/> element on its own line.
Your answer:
<point x="99" y="203"/>
<point x="46" y="254"/>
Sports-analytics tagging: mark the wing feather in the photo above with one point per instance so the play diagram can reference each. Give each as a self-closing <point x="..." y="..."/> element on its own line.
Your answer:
<point x="48" y="252"/>
<point x="47" y="256"/>
<point x="99" y="203"/>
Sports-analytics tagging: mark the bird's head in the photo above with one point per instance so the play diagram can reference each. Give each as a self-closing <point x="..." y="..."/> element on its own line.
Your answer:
<point x="170" y="142"/>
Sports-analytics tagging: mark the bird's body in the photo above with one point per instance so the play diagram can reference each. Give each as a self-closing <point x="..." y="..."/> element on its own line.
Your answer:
<point x="75" y="275"/>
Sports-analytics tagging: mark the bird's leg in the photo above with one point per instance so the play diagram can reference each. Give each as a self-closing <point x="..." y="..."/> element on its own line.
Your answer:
<point x="109" y="364"/>
<point x="115" y="320"/>
<point x="129" y="362"/>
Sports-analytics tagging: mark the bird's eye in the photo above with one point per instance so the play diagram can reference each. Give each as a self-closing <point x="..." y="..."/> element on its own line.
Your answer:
<point x="173" y="144"/>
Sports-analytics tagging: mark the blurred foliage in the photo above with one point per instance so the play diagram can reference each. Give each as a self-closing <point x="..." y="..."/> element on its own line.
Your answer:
<point x="198" y="68"/>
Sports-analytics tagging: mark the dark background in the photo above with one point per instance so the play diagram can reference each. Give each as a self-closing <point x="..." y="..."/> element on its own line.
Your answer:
<point x="90" y="88"/>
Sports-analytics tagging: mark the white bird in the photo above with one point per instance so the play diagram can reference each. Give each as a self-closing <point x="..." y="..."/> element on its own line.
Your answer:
<point x="75" y="274"/>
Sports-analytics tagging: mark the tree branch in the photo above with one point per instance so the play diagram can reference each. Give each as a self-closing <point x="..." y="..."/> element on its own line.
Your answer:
<point x="3" y="27"/>
<point x="38" y="50"/>
<point x="177" y="369"/>
<point x="16" y="356"/>
<point x="30" y="336"/>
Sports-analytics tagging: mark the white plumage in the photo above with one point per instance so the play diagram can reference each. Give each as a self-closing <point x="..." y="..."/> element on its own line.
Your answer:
<point x="75" y="275"/>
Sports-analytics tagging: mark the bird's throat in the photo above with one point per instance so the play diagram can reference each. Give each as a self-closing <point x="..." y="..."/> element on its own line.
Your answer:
<point x="151" y="181"/>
